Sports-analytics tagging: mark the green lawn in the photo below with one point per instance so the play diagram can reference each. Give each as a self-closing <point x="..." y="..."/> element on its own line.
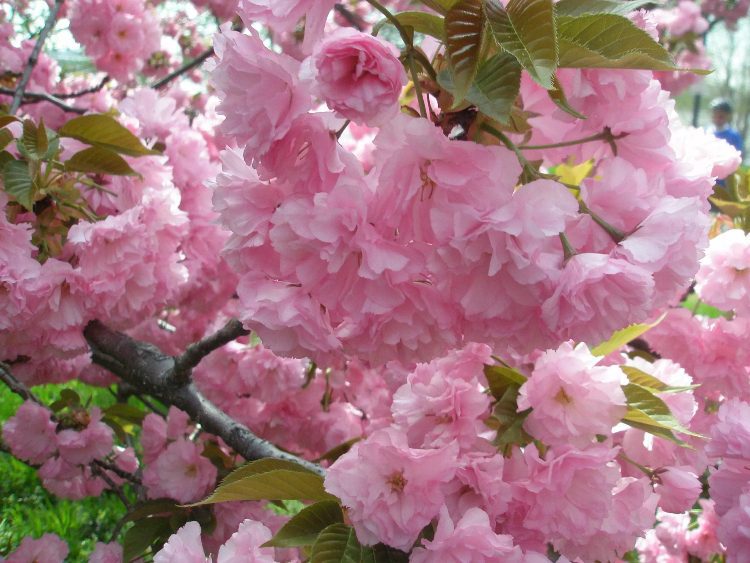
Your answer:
<point x="26" y="508"/>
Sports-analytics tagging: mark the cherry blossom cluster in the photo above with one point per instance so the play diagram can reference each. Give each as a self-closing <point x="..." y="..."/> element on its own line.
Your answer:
<point x="730" y="11"/>
<point x="65" y="449"/>
<point x="119" y="35"/>
<point x="401" y="262"/>
<point x="681" y="28"/>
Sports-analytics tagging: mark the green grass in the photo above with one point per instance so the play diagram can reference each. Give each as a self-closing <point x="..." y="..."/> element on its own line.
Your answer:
<point x="26" y="508"/>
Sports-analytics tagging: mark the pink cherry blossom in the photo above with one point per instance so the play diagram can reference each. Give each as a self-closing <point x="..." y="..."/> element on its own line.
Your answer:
<point x="721" y="280"/>
<point x="730" y="434"/>
<point x="596" y="295"/>
<point x="245" y="545"/>
<point x="359" y="76"/>
<point x="47" y="549"/>
<point x="471" y="538"/>
<point x="678" y="488"/>
<point x="180" y="472"/>
<point x="734" y="530"/>
<point x="443" y="401"/>
<point x="184" y="546"/>
<point x="30" y="433"/>
<point x="283" y="15"/>
<point x="247" y="71"/>
<point x="93" y="442"/>
<point x="573" y="399"/>
<point x="390" y="490"/>
<point x="106" y="553"/>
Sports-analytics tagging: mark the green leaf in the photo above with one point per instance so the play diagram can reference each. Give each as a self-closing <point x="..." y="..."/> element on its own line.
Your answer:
<point x="18" y="183"/>
<point x="7" y="120"/>
<point x="732" y="208"/>
<point x="440" y="6"/>
<point x="337" y="543"/>
<point x="142" y="535"/>
<point x="651" y="383"/>
<point x="608" y="41"/>
<point x="337" y="451"/>
<point x="262" y="466"/>
<point x="126" y="412"/>
<point x="621" y="337"/>
<point x="500" y="377"/>
<point x="509" y="422"/>
<point x="693" y="303"/>
<point x="464" y="25"/>
<point x="496" y="86"/>
<point x="106" y="132"/>
<point x="557" y="95"/>
<point x="581" y="7"/>
<point x="34" y="139"/>
<point x="526" y="29"/>
<point x="5" y="158"/>
<point x="421" y="22"/>
<point x="648" y="412"/>
<point x="5" y="138"/>
<point x="304" y="528"/>
<point x="153" y="507"/>
<point x="269" y="479"/>
<point x="98" y="160"/>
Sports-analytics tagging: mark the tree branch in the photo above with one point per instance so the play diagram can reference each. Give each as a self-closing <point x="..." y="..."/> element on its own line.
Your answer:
<point x="16" y="386"/>
<point x="35" y="97"/>
<point x="92" y="90"/>
<point x="199" y="60"/>
<point x="354" y="20"/>
<point x="34" y="57"/>
<point x="146" y="368"/>
<point x="185" y="363"/>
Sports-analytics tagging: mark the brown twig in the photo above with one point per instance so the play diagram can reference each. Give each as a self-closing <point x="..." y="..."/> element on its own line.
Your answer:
<point x="35" y="97"/>
<point x="34" y="57"/>
<point x="16" y="386"/>
<point x="196" y="62"/>
<point x="354" y="20"/>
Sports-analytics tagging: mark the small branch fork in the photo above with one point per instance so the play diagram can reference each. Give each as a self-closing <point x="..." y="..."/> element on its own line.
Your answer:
<point x="147" y="369"/>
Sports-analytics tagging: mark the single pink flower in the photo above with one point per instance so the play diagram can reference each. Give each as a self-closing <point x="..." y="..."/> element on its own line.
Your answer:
<point x="184" y="546"/>
<point x="359" y="76"/>
<point x="390" y="490"/>
<point x="106" y="553"/>
<point x="30" y="433"/>
<point x="472" y="538"/>
<point x="93" y="442"/>
<point x="180" y="472"/>
<point x="47" y="549"/>
<point x="678" y="488"/>
<point x="245" y="545"/>
<point x="572" y="398"/>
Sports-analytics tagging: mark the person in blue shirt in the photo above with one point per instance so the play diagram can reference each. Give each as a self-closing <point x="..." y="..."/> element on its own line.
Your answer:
<point x="722" y="119"/>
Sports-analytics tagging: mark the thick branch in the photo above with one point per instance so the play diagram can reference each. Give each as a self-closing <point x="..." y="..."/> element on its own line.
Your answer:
<point x="185" y="363"/>
<point x="199" y="60"/>
<point x="34" y="57"/>
<point x="146" y="368"/>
